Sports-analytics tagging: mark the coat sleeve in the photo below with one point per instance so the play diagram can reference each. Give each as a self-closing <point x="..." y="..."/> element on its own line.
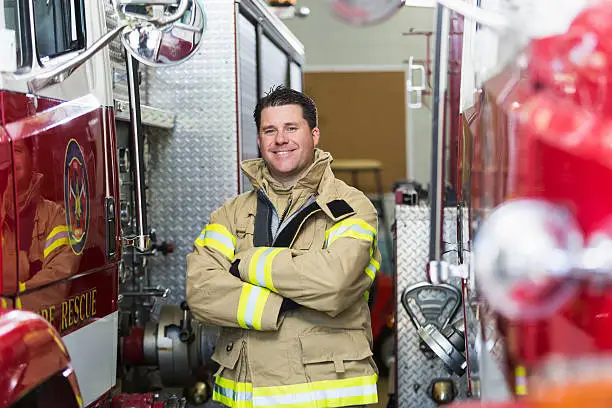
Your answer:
<point x="330" y="279"/>
<point x="217" y="297"/>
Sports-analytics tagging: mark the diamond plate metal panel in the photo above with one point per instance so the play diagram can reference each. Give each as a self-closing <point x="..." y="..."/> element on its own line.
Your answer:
<point x="193" y="170"/>
<point x="415" y="373"/>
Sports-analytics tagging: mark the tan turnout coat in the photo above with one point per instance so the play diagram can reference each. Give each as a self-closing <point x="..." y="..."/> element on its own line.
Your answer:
<point x="318" y="355"/>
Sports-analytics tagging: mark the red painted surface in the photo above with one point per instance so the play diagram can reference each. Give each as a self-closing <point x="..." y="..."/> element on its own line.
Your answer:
<point x="382" y="309"/>
<point x="174" y="49"/>
<point x="49" y="134"/>
<point x="543" y="140"/>
<point x="16" y="106"/>
<point x="136" y="401"/>
<point x="132" y="350"/>
<point x="82" y="287"/>
<point x="6" y="172"/>
<point x="455" y="54"/>
<point x="73" y="304"/>
<point x="30" y="352"/>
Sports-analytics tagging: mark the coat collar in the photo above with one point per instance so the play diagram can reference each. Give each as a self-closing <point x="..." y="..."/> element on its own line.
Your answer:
<point x="260" y="177"/>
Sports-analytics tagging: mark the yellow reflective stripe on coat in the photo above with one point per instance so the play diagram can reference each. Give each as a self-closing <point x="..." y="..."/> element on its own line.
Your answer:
<point x="328" y="393"/>
<point x="371" y="271"/>
<point x="233" y="394"/>
<point x="260" y="267"/>
<point x="57" y="238"/>
<point x="22" y="288"/>
<point x="359" y="229"/>
<point x="251" y="306"/>
<point x="218" y="237"/>
<point x="351" y="227"/>
<point x="372" y="268"/>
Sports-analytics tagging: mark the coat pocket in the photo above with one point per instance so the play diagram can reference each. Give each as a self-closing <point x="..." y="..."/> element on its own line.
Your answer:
<point x="311" y="234"/>
<point x="244" y="234"/>
<point x="335" y="355"/>
<point x="227" y="351"/>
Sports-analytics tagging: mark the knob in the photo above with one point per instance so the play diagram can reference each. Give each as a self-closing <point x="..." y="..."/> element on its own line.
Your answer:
<point x="166" y="248"/>
<point x="186" y="335"/>
<point x="443" y="391"/>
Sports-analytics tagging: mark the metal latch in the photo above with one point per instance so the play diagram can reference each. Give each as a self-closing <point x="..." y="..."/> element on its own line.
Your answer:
<point x="441" y="271"/>
<point x="111" y="227"/>
<point x="141" y="243"/>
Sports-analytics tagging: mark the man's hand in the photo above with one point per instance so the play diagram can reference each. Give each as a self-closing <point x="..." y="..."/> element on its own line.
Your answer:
<point x="287" y="305"/>
<point x="234" y="268"/>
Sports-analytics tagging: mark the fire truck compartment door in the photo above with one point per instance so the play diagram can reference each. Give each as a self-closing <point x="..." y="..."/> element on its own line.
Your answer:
<point x="61" y="189"/>
<point x="63" y="178"/>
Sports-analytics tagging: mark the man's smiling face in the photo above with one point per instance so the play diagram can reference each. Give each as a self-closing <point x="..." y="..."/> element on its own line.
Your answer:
<point x="286" y="141"/>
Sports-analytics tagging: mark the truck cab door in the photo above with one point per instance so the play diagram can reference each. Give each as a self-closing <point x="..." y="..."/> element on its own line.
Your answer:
<point x="73" y="121"/>
<point x="58" y="181"/>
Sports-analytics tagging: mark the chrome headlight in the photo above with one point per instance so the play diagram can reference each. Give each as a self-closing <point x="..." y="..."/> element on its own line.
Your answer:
<point x="523" y="255"/>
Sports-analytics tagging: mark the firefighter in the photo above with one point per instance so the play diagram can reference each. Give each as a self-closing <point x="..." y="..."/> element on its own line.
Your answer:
<point x="285" y="271"/>
<point x="43" y="248"/>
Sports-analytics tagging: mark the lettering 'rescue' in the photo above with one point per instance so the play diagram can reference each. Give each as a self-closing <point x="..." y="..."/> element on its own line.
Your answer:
<point x="72" y="311"/>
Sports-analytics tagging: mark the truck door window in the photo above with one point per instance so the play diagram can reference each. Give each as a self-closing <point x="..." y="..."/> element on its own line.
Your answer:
<point x="274" y="65"/>
<point x="14" y="16"/>
<point x="59" y="27"/>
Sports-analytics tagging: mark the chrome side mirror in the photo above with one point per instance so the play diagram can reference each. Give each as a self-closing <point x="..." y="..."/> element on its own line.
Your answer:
<point x="167" y="45"/>
<point x="155" y="32"/>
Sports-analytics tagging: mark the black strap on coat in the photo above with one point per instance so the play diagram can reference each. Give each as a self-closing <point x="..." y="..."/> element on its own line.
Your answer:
<point x="286" y="236"/>
<point x="262" y="236"/>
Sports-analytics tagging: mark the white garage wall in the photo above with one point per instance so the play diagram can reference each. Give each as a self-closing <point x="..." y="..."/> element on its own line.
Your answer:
<point x="330" y="42"/>
<point x="333" y="45"/>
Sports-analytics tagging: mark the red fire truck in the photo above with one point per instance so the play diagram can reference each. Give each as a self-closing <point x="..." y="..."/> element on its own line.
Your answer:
<point x="533" y="153"/>
<point x="61" y="232"/>
<point x="530" y="158"/>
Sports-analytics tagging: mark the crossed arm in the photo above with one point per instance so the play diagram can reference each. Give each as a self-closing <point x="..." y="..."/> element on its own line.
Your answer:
<point x="328" y="280"/>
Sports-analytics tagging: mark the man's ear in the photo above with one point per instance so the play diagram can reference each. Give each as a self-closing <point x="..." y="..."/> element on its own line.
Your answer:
<point x="258" y="143"/>
<point x="315" y="136"/>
